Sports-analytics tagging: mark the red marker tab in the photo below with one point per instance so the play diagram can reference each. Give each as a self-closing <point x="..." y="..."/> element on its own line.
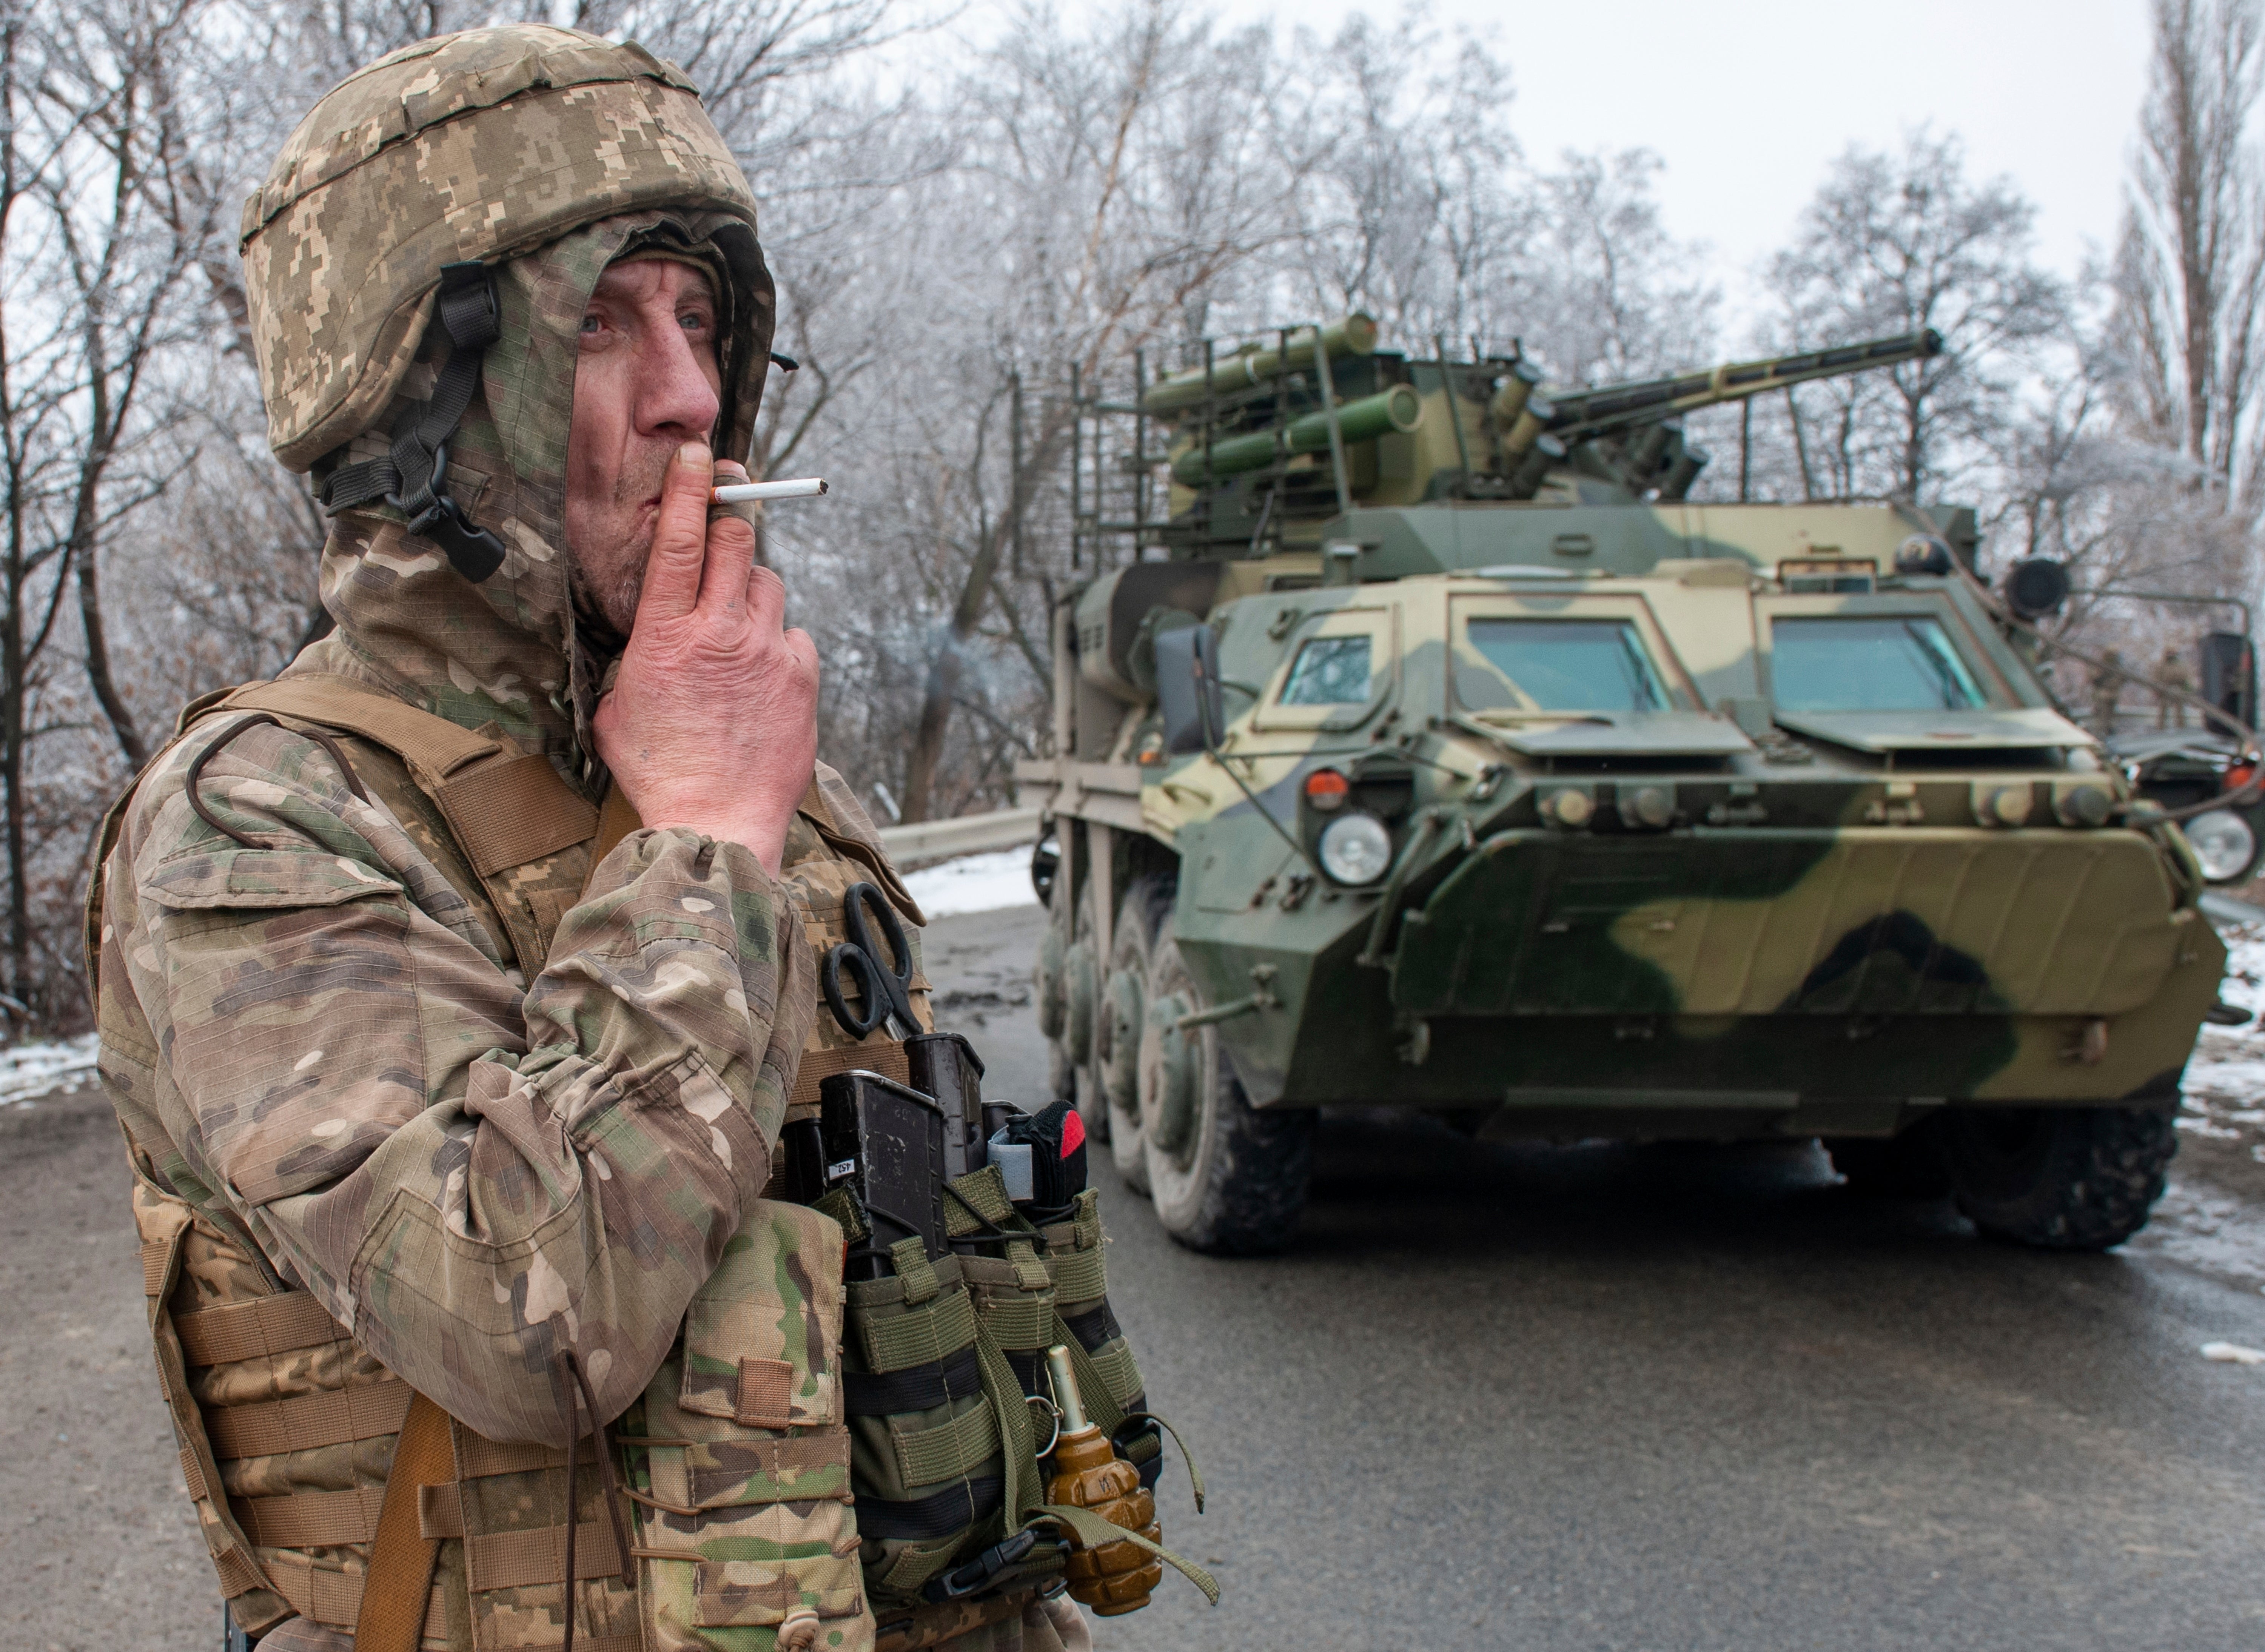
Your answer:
<point x="1073" y="1134"/>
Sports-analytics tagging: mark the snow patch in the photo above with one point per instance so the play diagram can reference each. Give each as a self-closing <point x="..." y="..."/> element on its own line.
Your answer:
<point x="2229" y="1062"/>
<point x="35" y="1069"/>
<point x="2209" y="1232"/>
<point x="985" y="883"/>
<point x="2232" y="1354"/>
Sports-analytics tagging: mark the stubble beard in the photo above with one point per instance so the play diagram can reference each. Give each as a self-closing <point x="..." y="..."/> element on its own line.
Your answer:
<point x="606" y="587"/>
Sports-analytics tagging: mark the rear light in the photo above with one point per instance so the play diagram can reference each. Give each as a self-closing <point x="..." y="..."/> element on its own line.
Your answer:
<point x="1327" y="790"/>
<point x="2239" y="776"/>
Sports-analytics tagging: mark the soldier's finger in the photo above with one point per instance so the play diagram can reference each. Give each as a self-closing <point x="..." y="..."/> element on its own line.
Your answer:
<point x="766" y="600"/>
<point x="730" y="554"/>
<point x="679" y="536"/>
<point x="805" y="650"/>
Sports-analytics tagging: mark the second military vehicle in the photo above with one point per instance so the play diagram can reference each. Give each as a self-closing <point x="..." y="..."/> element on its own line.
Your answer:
<point x="1429" y="747"/>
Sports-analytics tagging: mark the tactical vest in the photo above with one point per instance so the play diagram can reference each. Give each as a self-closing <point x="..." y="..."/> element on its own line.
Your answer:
<point x="737" y="1507"/>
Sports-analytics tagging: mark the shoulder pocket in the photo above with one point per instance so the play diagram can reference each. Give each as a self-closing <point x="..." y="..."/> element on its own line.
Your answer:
<point x="261" y="877"/>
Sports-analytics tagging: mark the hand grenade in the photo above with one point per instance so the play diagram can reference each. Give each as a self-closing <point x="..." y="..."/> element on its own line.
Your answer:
<point x="1116" y="1577"/>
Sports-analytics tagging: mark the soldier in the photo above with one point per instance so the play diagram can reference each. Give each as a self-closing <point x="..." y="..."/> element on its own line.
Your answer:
<point x="2107" y="693"/>
<point x="444" y="1104"/>
<point x="2173" y="682"/>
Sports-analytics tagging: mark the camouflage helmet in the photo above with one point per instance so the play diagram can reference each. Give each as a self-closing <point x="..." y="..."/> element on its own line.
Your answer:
<point x="478" y="146"/>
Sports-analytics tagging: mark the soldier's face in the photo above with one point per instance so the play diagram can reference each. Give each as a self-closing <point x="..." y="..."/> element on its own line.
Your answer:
<point x="647" y="382"/>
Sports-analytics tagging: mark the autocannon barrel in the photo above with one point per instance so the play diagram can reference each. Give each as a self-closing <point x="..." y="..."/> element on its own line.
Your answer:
<point x="1397" y="409"/>
<point x="1578" y="415"/>
<point x="1354" y="335"/>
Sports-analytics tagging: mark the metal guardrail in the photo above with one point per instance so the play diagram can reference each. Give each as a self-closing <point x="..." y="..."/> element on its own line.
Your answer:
<point x="969" y="834"/>
<point x="2224" y="909"/>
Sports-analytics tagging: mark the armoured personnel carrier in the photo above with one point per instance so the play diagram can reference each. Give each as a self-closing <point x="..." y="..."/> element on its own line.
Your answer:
<point x="1419" y="742"/>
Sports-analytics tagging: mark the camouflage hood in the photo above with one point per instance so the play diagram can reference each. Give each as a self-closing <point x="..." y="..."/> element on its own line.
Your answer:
<point x="542" y="153"/>
<point x="511" y="651"/>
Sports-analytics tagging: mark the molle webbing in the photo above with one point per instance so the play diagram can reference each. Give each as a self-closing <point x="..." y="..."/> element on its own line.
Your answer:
<point x="323" y="1595"/>
<point x="877" y="1054"/>
<point x="515" y="1560"/>
<point x="920" y="1388"/>
<point x="1079" y="1276"/>
<point x="269" y="1428"/>
<point x="926" y="1335"/>
<point x="247" y="1330"/>
<point x="954" y="1508"/>
<point x="423" y="1503"/>
<point x="927" y="1455"/>
<point x="310" y="1519"/>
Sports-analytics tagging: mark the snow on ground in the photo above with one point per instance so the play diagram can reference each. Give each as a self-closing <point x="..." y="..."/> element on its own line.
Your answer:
<point x="984" y="883"/>
<point x="36" y="1069"/>
<point x="2229" y="1062"/>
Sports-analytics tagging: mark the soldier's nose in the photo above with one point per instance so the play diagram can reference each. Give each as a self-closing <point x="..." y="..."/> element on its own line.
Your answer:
<point x="675" y="399"/>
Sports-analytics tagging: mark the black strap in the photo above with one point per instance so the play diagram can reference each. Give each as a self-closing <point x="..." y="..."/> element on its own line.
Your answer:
<point x="414" y="478"/>
<point x="935" y="1516"/>
<point x="1094" y="1327"/>
<point x="918" y="1388"/>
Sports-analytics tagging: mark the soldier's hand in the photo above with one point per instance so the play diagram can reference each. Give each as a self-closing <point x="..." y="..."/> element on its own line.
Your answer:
<point x="712" y="722"/>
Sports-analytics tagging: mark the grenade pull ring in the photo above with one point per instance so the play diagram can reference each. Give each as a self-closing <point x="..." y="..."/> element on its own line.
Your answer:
<point x="1114" y="1578"/>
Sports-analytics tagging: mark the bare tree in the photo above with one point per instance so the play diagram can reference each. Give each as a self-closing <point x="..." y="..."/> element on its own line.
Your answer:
<point x="1893" y="243"/>
<point x="2189" y="271"/>
<point x="1100" y="240"/>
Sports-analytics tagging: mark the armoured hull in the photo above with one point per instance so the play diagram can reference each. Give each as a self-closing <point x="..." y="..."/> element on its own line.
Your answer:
<point x="1580" y="809"/>
<point x="1815" y="982"/>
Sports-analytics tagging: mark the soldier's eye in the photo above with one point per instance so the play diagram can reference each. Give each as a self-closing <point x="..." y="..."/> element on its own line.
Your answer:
<point x="590" y="324"/>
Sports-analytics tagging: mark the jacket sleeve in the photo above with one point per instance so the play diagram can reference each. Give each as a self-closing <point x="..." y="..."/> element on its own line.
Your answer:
<point x="471" y="1172"/>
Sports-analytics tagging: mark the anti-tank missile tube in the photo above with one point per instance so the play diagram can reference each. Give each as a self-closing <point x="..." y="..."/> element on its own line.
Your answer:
<point x="1354" y="335"/>
<point x="1396" y="411"/>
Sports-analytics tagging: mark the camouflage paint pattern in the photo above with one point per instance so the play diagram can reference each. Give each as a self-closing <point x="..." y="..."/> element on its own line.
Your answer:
<point x="1848" y="914"/>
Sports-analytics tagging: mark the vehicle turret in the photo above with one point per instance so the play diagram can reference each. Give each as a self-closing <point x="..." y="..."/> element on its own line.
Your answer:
<point x="1266" y="443"/>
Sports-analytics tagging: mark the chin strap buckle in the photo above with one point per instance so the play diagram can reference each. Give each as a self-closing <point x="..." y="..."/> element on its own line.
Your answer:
<point x="473" y="551"/>
<point x="414" y="478"/>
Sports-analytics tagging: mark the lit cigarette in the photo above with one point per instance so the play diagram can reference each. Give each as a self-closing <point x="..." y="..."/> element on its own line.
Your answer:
<point x="743" y="492"/>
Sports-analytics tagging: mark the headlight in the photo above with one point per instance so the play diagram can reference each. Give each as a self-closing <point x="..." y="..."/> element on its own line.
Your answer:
<point x="1356" y="849"/>
<point x="2223" y="845"/>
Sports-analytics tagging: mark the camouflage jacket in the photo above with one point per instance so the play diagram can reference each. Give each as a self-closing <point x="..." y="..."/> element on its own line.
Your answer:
<point x="324" y="1042"/>
<point x="335" y="1076"/>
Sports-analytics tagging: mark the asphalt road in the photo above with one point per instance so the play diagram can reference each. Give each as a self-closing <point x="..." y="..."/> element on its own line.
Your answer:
<point x="1578" y="1399"/>
<point x="1575" y="1400"/>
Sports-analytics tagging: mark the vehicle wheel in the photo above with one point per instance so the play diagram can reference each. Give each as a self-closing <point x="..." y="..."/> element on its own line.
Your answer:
<point x="1905" y="1167"/>
<point x="2068" y="1178"/>
<point x="1226" y="1179"/>
<point x="1081" y="994"/>
<point x="1124" y="1009"/>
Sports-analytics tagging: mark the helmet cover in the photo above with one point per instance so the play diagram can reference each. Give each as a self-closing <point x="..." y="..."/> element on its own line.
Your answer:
<point x="482" y="145"/>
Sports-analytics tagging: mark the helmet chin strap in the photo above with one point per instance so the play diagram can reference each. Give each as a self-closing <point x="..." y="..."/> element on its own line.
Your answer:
<point x="414" y="478"/>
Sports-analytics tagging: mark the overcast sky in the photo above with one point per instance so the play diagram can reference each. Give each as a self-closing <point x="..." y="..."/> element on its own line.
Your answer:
<point x="1746" y="101"/>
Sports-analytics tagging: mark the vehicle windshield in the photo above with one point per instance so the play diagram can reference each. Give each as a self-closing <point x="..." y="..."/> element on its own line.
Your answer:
<point x="1863" y="663"/>
<point x="1566" y="665"/>
<point x="1328" y="671"/>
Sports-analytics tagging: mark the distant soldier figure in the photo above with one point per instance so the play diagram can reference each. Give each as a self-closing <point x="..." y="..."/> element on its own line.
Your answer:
<point x="2172" y="680"/>
<point x="2107" y="693"/>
